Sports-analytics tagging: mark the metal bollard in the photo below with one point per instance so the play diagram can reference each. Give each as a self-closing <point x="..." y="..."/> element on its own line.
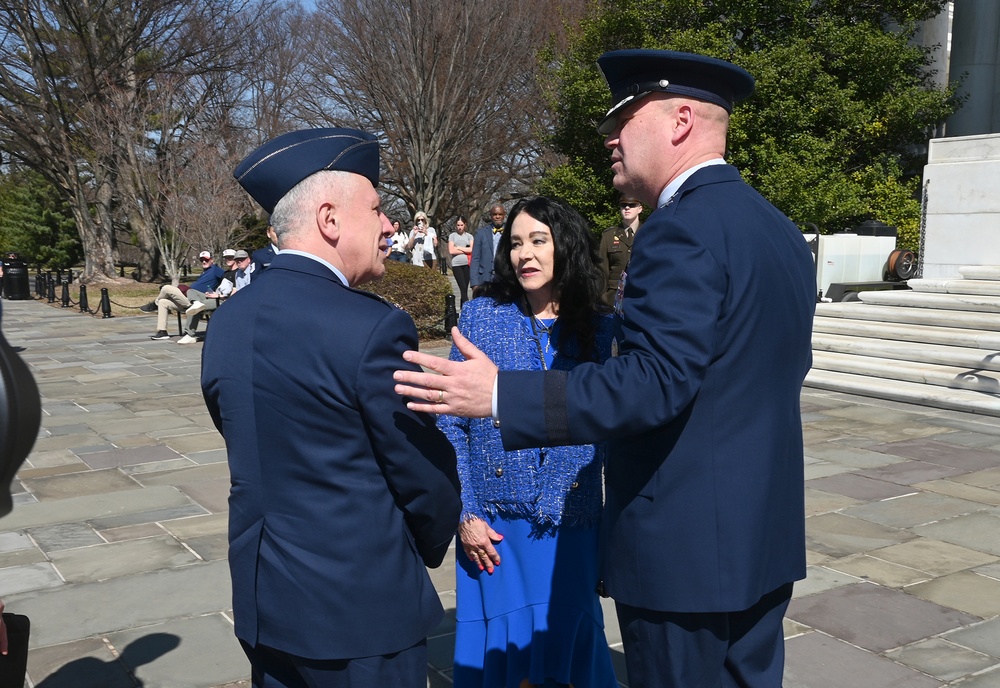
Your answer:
<point x="39" y="285"/>
<point x="121" y="270"/>
<point x="59" y="275"/>
<point x="65" y="294"/>
<point x="105" y="304"/>
<point x="450" y="314"/>
<point x="84" y="308"/>
<point x="51" y="289"/>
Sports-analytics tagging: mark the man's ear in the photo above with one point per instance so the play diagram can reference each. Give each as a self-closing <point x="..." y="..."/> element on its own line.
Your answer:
<point x="683" y="119"/>
<point x="328" y="222"/>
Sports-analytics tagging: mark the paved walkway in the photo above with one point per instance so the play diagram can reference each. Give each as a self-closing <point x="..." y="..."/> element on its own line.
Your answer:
<point x="116" y="547"/>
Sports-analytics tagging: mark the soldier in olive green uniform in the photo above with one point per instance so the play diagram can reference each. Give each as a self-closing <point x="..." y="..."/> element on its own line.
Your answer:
<point x="616" y="247"/>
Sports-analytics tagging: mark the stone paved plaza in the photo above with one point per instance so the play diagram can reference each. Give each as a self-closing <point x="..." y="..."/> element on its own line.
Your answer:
<point x="117" y="543"/>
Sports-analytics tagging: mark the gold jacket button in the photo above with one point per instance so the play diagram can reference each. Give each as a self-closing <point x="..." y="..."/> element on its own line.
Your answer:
<point x="574" y="485"/>
<point x="499" y="472"/>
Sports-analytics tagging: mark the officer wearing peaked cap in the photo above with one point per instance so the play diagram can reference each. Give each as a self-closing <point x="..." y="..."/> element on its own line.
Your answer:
<point x="703" y="532"/>
<point x="340" y="495"/>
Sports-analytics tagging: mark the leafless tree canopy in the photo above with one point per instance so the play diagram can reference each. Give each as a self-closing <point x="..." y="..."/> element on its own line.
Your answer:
<point x="138" y="111"/>
<point x="277" y="82"/>
<point x="103" y="97"/>
<point x="448" y="84"/>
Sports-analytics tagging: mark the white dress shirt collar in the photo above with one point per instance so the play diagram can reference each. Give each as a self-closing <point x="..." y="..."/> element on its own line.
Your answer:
<point x="671" y="189"/>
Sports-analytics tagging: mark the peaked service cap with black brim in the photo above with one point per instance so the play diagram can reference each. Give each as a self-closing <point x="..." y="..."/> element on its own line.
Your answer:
<point x="634" y="74"/>
<point x="276" y="167"/>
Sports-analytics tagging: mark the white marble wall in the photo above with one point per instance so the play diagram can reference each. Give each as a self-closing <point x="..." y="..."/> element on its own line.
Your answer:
<point x="963" y="204"/>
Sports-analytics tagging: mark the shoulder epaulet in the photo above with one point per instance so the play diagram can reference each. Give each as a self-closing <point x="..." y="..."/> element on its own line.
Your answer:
<point x="373" y="295"/>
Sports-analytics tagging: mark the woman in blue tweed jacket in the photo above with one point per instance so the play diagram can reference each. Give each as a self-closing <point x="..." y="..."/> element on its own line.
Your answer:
<point x="527" y="611"/>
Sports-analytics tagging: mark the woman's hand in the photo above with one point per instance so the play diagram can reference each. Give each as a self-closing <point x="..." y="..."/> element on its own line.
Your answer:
<point x="478" y="541"/>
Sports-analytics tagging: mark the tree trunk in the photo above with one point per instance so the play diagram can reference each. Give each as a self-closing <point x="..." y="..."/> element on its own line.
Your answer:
<point x="99" y="262"/>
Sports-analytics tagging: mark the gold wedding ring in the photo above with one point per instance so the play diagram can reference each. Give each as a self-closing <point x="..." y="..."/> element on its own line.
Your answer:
<point x="440" y="396"/>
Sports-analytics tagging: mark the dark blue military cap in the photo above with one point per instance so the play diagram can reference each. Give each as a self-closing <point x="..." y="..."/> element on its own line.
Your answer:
<point x="634" y="74"/>
<point x="272" y="170"/>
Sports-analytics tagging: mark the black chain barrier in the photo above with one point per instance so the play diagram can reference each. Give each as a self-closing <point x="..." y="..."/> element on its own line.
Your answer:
<point x="45" y="289"/>
<point x="450" y="314"/>
<point x="105" y="304"/>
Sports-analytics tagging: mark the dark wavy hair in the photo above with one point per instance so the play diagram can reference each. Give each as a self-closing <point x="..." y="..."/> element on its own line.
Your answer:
<point x="577" y="280"/>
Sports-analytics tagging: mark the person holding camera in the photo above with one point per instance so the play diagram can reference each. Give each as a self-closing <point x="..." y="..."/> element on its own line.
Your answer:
<point x="423" y="241"/>
<point x="400" y="239"/>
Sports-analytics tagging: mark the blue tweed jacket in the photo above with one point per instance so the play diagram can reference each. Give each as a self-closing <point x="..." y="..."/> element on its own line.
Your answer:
<point x="550" y="486"/>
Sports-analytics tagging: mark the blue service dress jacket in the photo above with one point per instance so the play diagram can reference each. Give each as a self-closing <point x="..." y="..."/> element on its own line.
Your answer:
<point x="481" y="264"/>
<point x="340" y="495"/>
<point x="261" y="260"/>
<point x="704" y="509"/>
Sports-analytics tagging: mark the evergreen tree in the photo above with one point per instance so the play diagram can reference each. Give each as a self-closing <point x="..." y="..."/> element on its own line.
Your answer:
<point x="836" y="132"/>
<point x="35" y="222"/>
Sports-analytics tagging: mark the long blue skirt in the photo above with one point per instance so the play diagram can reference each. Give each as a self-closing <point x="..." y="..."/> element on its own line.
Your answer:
<point x="537" y="617"/>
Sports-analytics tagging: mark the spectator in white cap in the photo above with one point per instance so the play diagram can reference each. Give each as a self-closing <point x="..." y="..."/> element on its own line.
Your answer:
<point x="191" y="300"/>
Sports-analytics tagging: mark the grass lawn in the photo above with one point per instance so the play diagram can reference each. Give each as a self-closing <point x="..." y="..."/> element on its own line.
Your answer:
<point x="126" y="297"/>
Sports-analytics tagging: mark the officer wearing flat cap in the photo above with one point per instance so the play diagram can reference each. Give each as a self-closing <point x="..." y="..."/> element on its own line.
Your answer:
<point x="703" y="532"/>
<point x="340" y="495"/>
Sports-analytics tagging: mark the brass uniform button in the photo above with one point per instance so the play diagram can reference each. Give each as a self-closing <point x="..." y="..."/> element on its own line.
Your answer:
<point x="574" y="485"/>
<point x="499" y="472"/>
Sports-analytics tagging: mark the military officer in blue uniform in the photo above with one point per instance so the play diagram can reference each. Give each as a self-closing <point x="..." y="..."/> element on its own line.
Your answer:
<point x="704" y="527"/>
<point x="262" y="257"/>
<point x="340" y="495"/>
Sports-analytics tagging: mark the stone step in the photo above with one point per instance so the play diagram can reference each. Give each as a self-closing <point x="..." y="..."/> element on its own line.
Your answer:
<point x="960" y="357"/>
<point x="935" y="344"/>
<point x="929" y="334"/>
<point x="915" y="299"/>
<point x="982" y="272"/>
<point x="956" y="286"/>
<point x="987" y="381"/>
<point x="916" y="316"/>
<point x="909" y="392"/>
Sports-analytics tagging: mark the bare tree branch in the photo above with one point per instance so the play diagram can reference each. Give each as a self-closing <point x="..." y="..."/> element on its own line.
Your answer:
<point x="100" y="96"/>
<point x="450" y="87"/>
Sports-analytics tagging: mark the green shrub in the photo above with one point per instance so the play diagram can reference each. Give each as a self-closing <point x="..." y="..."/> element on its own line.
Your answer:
<point x="417" y="290"/>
